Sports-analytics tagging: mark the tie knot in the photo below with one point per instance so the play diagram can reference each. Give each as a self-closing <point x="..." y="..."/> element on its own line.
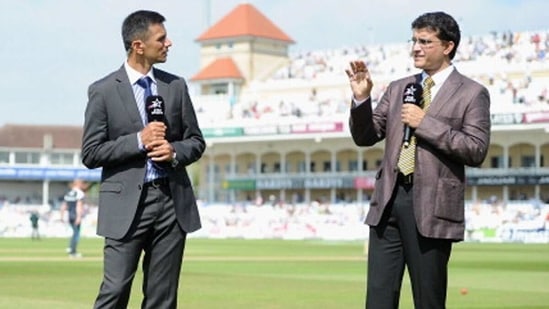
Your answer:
<point x="428" y="83"/>
<point x="144" y="82"/>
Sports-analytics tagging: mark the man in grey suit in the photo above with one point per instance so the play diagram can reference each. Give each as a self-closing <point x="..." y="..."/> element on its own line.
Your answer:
<point x="417" y="208"/>
<point x="146" y="201"/>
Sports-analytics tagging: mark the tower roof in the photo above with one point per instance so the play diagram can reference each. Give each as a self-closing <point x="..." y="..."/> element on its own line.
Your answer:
<point x="244" y="20"/>
<point x="218" y="69"/>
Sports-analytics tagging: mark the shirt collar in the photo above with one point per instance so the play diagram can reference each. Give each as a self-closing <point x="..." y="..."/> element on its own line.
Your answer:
<point x="440" y="77"/>
<point x="134" y="75"/>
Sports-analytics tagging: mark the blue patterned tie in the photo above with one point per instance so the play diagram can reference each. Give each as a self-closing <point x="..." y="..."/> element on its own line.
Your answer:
<point x="145" y="83"/>
<point x="153" y="170"/>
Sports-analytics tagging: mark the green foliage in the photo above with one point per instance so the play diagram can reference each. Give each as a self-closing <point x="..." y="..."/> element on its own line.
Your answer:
<point x="239" y="273"/>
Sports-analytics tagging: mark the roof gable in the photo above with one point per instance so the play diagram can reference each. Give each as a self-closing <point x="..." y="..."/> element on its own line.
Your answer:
<point x="244" y="20"/>
<point x="218" y="69"/>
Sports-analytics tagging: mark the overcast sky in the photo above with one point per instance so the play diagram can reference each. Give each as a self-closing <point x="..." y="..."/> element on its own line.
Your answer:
<point x="53" y="49"/>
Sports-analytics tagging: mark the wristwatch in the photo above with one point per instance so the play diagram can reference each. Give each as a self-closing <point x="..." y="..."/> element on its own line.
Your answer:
<point x="174" y="161"/>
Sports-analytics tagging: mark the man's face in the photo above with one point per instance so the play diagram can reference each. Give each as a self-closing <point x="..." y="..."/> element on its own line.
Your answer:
<point x="155" y="47"/>
<point x="429" y="52"/>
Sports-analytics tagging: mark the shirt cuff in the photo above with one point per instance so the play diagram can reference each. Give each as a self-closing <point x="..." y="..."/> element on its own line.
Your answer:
<point x="139" y="143"/>
<point x="358" y="103"/>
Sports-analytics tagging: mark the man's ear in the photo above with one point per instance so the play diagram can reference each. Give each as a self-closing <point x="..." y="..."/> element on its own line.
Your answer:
<point x="449" y="47"/>
<point x="137" y="46"/>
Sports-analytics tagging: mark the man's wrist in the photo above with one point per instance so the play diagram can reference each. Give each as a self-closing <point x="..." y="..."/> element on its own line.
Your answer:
<point x="174" y="161"/>
<point x="356" y="102"/>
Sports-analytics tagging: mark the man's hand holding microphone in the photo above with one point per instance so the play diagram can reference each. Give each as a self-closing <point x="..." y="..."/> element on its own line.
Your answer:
<point x="153" y="136"/>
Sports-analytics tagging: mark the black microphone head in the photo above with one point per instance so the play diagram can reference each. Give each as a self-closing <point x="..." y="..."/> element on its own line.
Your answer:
<point x="154" y="105"/>
<point x="413" y="93"/>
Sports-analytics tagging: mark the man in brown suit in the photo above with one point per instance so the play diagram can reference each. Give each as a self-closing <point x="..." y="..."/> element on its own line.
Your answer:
<point x="417" y="208"/>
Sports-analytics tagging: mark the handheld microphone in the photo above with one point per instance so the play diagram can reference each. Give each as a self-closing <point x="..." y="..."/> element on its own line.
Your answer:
<point x="413" y="94"/>
<point x="154" y="105"/>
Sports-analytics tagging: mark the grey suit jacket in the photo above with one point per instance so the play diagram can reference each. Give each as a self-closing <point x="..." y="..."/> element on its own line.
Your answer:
<point x="454" y="133"/>
<point x="109" y="141"/>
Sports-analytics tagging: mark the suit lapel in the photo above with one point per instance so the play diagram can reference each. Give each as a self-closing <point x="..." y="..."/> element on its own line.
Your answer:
<point x="161" y="85"/>
<point x="163" y="91"/>
<point x="446" y="91"/>
<point x="127" y="98"/>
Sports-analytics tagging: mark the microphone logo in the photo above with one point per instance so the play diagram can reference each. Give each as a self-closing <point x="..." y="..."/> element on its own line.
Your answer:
<point x="155" y="108"/>
<point x="412" y="94"/>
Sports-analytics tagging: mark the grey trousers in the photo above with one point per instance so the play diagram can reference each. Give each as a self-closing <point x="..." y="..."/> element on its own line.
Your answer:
<point x="156" y="233"/>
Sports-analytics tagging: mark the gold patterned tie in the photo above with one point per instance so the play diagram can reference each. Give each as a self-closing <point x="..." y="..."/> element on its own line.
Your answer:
<point x="407" y="158"/>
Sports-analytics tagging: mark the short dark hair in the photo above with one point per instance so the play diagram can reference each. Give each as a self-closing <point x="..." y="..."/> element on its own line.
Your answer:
<point x="444" y="25"/>
<point x="136" y="26"/>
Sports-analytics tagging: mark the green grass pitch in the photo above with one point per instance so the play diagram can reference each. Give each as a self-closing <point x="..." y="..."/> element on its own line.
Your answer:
<point x="237" y="273"/>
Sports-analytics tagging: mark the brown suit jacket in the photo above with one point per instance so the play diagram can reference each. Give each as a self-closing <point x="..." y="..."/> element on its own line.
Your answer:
<point x="454" y="133"/>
